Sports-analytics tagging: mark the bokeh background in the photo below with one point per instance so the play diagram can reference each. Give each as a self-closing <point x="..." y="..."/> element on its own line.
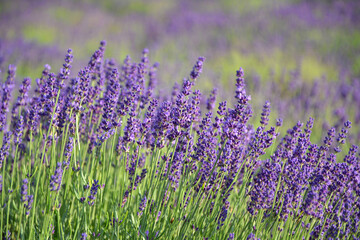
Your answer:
<point x="303" y="56"/>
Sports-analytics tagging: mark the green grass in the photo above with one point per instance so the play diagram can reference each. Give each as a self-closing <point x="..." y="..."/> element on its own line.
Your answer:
<point x="41" y="34"/>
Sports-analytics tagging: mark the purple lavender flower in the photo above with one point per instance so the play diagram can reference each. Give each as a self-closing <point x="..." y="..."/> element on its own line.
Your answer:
<point x="28" y="204"/>
<point x="222" y="217"/>
<point x="193" y="109"/>
<point x="55" y="181"/>
<point x="142" y="205"/>
<point x="23" y="93"/>
<point x="210" y="102"/>
<point x="231" y="236"/>
<point x="93" y="191"/>
<point x="97" y="56"/>
<point x="18" y="132"/>
<point x="7" y="88"/>
<point x="342" y="135"/>
<point x="24" y="188"/>
<point x="125" y="198"/>
<point x="41" y="81"/>
<point x="140" y="178"/>
<point x="84" y="85"/>
<point x="65" y="70"/>
<point x="152" y="82"/>
<point x="111" y="96"/>
<point x="197" y="69"/>
<point x="68" y="151"/>
<point x="145" y="126"/>
<point x="252" y="237"/>
<point x="175" y="92"/>
<point x="8" y="236"/>
<point x="33" y="117"/>
<point x="240" y="88"/>
<point x="48" y="95"/>
<point x="186" y="87"/>
<point x="1" y="182"/>
<point x="83" y="236"/>
<point x="131" y="131"/>
<point x="4" y="151"/>
<point x="162" y="124"/>
<point x="26" y="199"/>
<point x="265" y="114"/>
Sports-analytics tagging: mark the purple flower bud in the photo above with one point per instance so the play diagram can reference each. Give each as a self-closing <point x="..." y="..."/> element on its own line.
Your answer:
<point x="68" y="151"/>
<point x="197" y="69"/>
<point x="231" y="236"/>
<point x="33" y="117"/>
<point x="7" y="88"/>
<point x="142" y="205"/>
<point x="93" y="191"/>
<point x="265" y="114"/>
<point x="23" y="93"/>
<point x="210" y="102"/>
<point x="28" y="205"/>
<point x="83" y="236"/>
<point x="65" y="70"/>
<point x="24" y="188"/>
<point x="19" y="130"/>
<point x="4" y="151"/>
<point x="240" y="93"/>
<point x="55" y="181"/>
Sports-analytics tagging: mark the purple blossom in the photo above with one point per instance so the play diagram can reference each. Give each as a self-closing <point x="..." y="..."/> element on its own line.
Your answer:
<point x="6" y="95"/>
<point x="4" y="151"/>
<point x="55" y="180"/>
<point x="240" y="93"/>
<point x="33" y="117"/>
<point x="252" y="237"/>
<point x="162" y="124"/>
<point x="265" y="114"/>
<point x="18" y="132"/>
<point x="231" y="236"/>
<point x="210" y="102"/>
<point x="65" y="70"/>
<point x="24" y="188"/>
<point x="93" y="191"/>
<point x="23" y="94"/>
<point x="142" y="205"/>
<point x="28" y="204"/>
<point x="197" y="69"/>
<point x="83" y="236"/>
<point x="111" y="96"/>
<point x="68" y="151"/>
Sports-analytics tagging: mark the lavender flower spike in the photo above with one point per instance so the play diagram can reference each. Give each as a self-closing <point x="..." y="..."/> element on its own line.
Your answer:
<point x="197" y="69"/>
<point x="55" y="181"/>
<point x="4" y="151"/>
<point x="24" y="188"/>
<point x="6" y="97"/>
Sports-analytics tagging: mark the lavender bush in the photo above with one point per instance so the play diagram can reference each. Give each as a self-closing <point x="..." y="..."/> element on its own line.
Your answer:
<point x="103" y="156"/>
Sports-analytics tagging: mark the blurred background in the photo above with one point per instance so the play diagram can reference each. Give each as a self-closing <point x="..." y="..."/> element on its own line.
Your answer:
<point x="303" y="56"/>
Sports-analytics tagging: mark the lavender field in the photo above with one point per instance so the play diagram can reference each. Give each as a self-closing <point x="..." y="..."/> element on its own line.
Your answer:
<point x="191" y="120"/>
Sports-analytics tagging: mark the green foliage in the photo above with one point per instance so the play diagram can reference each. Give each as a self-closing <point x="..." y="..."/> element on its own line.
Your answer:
<point x="41" y="34"/>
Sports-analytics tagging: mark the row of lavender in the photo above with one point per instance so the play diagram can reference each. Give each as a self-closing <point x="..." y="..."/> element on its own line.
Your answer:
<point x="102" y="155"/>
<point x="331" y="103"/>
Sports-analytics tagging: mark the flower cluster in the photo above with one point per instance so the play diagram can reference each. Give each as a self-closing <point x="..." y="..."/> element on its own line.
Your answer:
<point x="168" y="159"/>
